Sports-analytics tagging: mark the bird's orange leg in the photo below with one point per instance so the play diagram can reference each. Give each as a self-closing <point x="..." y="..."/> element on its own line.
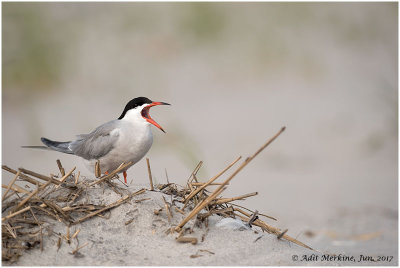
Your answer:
<point x="125" y="175"/>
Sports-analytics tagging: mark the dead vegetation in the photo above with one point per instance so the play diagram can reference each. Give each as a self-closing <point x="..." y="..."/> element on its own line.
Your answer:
<point x="57" y="199"/>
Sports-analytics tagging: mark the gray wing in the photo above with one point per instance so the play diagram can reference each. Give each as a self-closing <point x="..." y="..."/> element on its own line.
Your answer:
<point x="97" y="143"/>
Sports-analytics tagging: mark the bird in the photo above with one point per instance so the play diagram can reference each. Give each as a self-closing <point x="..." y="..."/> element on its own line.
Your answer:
<point x="125" y="139"/>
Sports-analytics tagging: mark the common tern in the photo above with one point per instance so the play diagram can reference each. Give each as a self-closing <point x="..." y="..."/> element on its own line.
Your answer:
<point x="126" y="139"/>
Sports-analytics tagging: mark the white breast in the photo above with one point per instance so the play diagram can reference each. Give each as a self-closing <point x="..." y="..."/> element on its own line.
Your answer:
<point x="134" y="141"/>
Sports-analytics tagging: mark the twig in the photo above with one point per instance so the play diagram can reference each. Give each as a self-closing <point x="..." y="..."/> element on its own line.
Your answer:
<point x="195" y="173"/>
<point x="75" y="234"/>
<point x="12" y="232"/>
<point x="225" y="200"/>
<point x="196" y="169"/>
<point x="67" y="237"/>
<point x="110" y="175"/>
<point x="60" y="167"/>
<point x="167" y="209"/>
<point x="141" y="200"/>
<point x="276" y="231"/>
<point x="23" y="202"/>
<point x="115" y="204"/>
<point x="282" y="234"/>
<point x="77" y="177"/>
<point x="22" y="176"/>
<point x="129" y="221"/>
<point x="10" y="185"/>
<point x="187" y="239"/>
<point x="202" y="183"/>
<point x="200" y="206"/>
<point x="210" y="181"/>
<point x="16" y="213"/>
<point x="16" y="188"/>
<point x="39" y="176"/>
<point x="97" y="170"/>
<point x="65" y="177"/>
<point x="253" y="218"/>
<point x="59" y="243"/>
<point x="76" y="250"/>
<point x="215" y="211"/>
<point x="248" y="215"/>
<point x="179" y="210"/>
<point x="57" y="208"/>
<point x="166" y="175"/>
<point x="150" y="177"/>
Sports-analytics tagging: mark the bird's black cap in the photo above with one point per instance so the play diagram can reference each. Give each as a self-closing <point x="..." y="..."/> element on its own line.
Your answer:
<point x="133" y="103"/>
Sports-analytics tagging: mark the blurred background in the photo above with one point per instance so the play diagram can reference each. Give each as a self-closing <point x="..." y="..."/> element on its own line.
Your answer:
<point x="235" y="73"/>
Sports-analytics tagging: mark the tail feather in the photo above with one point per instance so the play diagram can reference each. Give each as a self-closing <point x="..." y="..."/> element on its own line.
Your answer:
<point x="53" y="145"/>
<point x="36" y="147"/>
<point x="57" y="145"/>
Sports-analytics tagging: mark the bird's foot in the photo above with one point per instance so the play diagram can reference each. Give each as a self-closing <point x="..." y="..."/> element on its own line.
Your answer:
<point x="125" y="175"/>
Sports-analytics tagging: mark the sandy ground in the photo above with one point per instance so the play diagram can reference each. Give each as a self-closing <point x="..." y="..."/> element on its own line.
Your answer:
<point x="145" y="242"/>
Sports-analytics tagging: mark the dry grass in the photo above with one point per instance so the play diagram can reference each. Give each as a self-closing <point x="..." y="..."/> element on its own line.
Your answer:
<point x="56" y="199"/>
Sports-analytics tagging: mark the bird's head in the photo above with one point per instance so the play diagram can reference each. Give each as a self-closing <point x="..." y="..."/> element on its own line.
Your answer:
<point x="137" y="109"/>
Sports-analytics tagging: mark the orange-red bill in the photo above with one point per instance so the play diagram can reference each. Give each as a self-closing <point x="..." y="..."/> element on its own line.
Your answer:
<point x="146" y="114"/>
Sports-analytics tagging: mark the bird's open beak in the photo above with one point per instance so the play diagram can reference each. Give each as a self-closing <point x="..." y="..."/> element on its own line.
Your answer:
<point x="146" y="114"/>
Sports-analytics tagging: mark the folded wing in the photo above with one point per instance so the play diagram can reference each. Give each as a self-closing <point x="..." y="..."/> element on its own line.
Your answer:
<point x="97" y="143"/>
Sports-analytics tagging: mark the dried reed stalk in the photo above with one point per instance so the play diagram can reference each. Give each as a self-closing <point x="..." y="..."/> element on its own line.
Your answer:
<point x="10" y="185"/>
<point x="40" y="188"/>
<point x="39" y="176"/>
<point x="97" y="171"/>
<point x="210" y="181"/>
<point x="57" y="208"/>
<point x="65" y="177"/>
<point x="167" y="210"/>
<point x="150" y="177"/>
<point x="78" y="248"/>
<point x="274" y="230"/>
<point x="199" y="207"/>
<point x="244" y="213"/>
<point x="77" y="178"/>
<point x="16" y="188"/>
<point x="22" y="176"/>
<point x="215" y="211"/>
<point x="60" y="167"/>
<point x="282" y="234"/>
<point x="196" y="169"/>
<point x="110" y="175"/>
<point x="10" y="230"/>
<point x="75" y="234"/>
<point x="202" y="183"/>
<point x="253" y="218"/>
<point x="225" y="200"/>
<point x="187" y="239"/>
<point x="16" y="213"/>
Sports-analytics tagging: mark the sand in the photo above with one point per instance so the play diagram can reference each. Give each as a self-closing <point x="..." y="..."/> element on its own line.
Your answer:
<point x="144" y="240"/>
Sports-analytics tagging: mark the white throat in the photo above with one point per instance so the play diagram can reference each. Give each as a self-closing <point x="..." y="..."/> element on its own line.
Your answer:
<point x="135" y="117"/>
